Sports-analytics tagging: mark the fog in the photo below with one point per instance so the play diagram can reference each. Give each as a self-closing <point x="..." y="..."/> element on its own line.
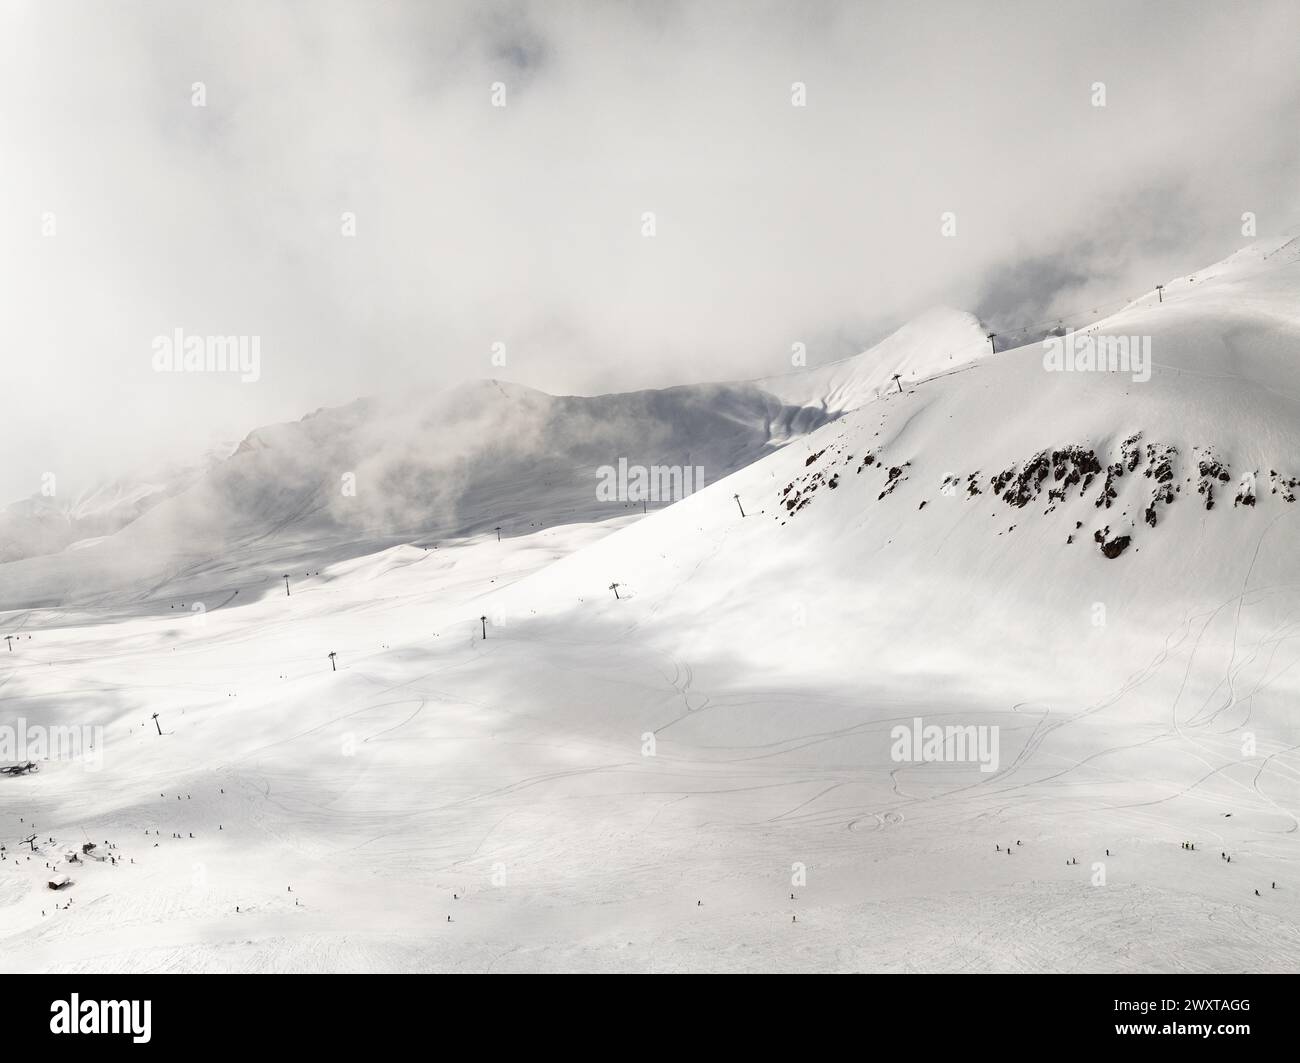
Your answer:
<point x="348" y="192"/>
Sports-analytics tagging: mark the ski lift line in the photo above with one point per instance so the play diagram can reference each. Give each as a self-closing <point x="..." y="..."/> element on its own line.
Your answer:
<point x="1092" y="308"/>
<point x="1099" y="310"/>
<point x="1027" y="328"/>
<point x="1062" y="318"/>
<point x="1097" y="307"/>
<point x="1282" y="248"/>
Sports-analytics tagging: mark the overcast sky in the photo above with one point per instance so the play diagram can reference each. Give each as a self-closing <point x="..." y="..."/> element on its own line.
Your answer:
<point x="127" y="212"/>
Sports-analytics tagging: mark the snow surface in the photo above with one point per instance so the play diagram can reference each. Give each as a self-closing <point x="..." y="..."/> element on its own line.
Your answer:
<point x="769" y="656"/>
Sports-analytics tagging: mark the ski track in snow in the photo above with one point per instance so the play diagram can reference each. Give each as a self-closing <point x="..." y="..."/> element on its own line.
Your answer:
<point x="506" y="781"/>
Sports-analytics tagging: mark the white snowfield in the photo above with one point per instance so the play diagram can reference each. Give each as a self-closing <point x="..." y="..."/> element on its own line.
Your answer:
<point x="706" y="772"/>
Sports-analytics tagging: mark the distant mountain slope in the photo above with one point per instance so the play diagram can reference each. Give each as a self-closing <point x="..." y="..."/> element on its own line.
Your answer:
<point x="45" y="524"/>
<point x="439" y="464"/>
<point x="420" y="467"/>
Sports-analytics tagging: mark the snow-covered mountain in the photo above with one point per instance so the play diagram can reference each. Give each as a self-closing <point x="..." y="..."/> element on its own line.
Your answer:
<point x="430" y="465"/>
<point x="44" y="523"/>
<point x="683" y="739"/>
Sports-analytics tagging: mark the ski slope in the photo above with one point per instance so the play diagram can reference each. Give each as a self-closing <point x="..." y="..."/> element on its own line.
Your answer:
<point x="641" y="782"/>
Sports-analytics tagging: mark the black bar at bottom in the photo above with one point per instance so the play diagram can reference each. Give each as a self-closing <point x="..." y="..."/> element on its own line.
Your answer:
<point x="341" y="1012"/>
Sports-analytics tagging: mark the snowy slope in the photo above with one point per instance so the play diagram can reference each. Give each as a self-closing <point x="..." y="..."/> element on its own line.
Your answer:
<point x="431" y="465"/>
<point x="642" y="782"/>
<point x="938" y="341"/>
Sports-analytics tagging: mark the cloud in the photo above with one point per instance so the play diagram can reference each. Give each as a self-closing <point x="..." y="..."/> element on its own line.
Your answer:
<point x="522" y="225"/>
